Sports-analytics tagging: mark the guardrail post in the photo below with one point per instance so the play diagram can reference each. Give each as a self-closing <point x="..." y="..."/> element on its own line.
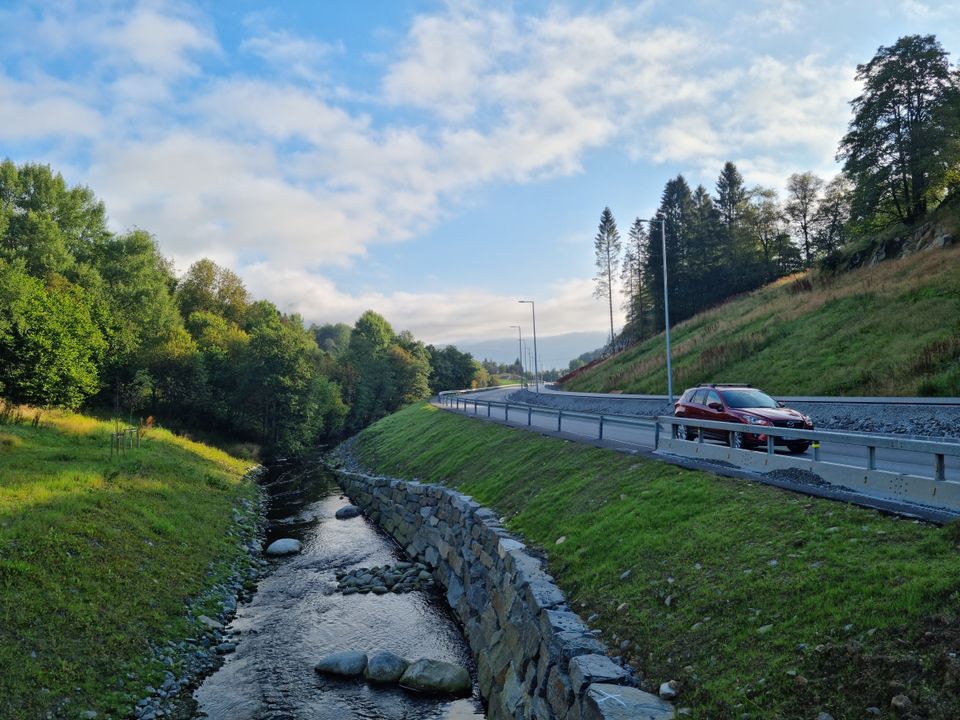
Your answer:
<point x="476" y="407"/>
<point x="601" y="427"/>
<point x="872" y="457"/>
<point x="769" y="444"/>
<point x="700" y="435"/>
<point x="559" y="419"/>
<point x="939" y="470"/>
<point x="656" y="434"/>
<point x="529" y="416"/>
<point x="506" y="412"/>
<point x="816" y="449"/>
<point x="488" y="409"/>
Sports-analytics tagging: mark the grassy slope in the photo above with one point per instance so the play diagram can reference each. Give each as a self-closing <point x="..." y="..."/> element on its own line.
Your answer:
<point x="891" y="329"/>
<point x="98" y="557"/>
<point x="731" y="557"/>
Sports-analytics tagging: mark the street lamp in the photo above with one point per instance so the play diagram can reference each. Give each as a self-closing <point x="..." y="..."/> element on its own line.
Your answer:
<point x="520" y="348"/>
<point x="536" y="368"/>
<point x="666" y="301"/>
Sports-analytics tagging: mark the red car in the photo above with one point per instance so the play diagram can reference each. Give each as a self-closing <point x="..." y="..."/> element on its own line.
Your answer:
<point x="740" y="404"/>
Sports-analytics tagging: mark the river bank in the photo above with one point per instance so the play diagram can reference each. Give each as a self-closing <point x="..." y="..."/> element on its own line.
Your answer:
<point x="107" y="563"/>
<point x="758" y="603"/>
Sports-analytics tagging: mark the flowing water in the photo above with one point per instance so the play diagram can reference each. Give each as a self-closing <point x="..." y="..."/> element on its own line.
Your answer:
<point x="297" y="616"/>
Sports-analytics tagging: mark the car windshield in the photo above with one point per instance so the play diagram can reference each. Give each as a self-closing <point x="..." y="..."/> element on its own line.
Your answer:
<point x="748" y="399"/>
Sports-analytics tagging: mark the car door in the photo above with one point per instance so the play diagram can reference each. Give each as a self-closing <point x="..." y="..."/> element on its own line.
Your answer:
<point x="713" y="410"/>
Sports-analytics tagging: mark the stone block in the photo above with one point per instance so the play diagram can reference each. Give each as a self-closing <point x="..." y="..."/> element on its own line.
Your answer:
<point x="586" y="669"/>
<point x="618" y="702"/>
<point x="559" y="695"/>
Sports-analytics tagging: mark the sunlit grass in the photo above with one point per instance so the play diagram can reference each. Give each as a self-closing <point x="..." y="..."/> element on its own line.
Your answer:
<point x="889" y="329"/>
<point x="98" y="556"/>
<point x="711" y="561"/>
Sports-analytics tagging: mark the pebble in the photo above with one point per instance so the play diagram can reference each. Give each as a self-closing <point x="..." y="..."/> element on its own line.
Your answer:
<point x="622" y="607"/>
<point x="669" y="690"/>
<point x="900" y="704"/>
<point x="561" y="540"/>
<point x="764" y="629"/>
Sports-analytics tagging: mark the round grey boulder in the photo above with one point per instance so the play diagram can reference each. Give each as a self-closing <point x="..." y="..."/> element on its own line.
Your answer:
<point x="284" y="546"/>
<point x="437" y="677"/>
<point x="348" y="663"/>
<point x="385" y="667"/>
<point x="347" y="512"/>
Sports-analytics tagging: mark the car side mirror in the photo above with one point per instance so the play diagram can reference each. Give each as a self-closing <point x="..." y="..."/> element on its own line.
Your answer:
<point x="780" y="403"/>
<point x="715" y="406"/>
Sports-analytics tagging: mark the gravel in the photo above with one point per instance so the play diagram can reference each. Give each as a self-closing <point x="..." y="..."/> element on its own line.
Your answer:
<point x="927" y="422"/>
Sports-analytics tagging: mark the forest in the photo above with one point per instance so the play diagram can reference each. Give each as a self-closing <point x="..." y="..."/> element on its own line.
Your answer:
<point x="901" y="159"/>
<point x="101" y="320"/>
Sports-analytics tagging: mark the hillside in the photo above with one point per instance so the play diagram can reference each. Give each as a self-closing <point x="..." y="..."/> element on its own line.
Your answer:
<point x="98" y="556"/>
<point x="890" y="328"/>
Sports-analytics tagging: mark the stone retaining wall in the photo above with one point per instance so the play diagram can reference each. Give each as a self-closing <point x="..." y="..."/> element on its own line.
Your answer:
<point x="535" y="658"/>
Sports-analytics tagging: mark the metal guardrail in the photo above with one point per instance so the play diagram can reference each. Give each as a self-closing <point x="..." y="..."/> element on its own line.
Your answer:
<point x="939" y="451"/>
<point x="869" y="441"/>
<point x="455" y="399"/>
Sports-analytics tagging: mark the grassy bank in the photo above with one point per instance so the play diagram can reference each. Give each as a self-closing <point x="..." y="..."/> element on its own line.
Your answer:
<point x="815" y="335"/>
<point x="764" y="604"/>
<point x="97" y="558"/>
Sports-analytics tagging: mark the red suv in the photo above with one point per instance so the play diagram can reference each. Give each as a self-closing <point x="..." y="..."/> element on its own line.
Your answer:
<point x="740" y="404"/>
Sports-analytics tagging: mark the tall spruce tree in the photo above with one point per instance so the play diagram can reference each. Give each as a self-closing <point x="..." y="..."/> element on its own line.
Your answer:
<point x="904" y="139"/>
<point x="607" y="247"/>
<point x="631" y="277"/>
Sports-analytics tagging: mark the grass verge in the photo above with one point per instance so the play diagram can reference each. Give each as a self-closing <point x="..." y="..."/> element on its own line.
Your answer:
<point x="97" y="559"/>
<point x="762" y="603"/>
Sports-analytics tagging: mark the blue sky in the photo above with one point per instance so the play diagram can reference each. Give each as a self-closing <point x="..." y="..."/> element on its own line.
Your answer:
<point x="434" y="161"/>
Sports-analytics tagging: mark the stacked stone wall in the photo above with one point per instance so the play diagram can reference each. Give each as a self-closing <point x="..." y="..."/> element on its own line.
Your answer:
<point x="535" y="658"/>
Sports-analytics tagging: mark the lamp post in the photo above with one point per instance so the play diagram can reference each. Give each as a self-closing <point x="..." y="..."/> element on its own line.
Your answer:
<point x="520" y="350"/>
<point x="666" y="301"/>
<point x="536" y="368"/>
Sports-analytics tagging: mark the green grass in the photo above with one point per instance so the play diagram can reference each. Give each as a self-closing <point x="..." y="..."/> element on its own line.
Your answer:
<point x="97" y="559"/>
<point x="890" y="329"/>
<point x="861" y="606"/>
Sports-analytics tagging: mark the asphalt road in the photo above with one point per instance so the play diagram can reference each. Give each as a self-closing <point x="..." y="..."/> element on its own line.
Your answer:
<point x="899" y="461"/>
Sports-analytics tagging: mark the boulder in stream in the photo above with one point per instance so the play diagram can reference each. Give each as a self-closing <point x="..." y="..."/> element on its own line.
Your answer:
<point x="347" y="512"/>
<point x="348" y="663"/>
<point x="385" y="667"/>
<point x="284" y="546"/>
<point x="437" y="677"/>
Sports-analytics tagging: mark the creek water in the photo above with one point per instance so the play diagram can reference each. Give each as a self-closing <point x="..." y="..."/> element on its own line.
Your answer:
<point x="297" y="616"/>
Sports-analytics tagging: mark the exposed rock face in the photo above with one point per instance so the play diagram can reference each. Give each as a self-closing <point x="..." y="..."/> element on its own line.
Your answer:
<point x="385" y="667"/>
<point x="349" y="663"/>
<point x="284" y="546"/>
<point x="436" y="677"/>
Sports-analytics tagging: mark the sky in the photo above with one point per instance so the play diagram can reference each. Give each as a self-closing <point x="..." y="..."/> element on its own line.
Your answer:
<point x="433" y="161"/>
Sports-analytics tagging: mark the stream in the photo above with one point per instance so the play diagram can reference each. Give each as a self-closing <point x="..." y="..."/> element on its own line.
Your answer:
<point x="297" y="616"/>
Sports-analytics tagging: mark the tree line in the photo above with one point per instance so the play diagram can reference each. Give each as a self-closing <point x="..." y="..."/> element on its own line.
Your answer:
<point x="97" y="319"/>
<point x="901" y="158"/>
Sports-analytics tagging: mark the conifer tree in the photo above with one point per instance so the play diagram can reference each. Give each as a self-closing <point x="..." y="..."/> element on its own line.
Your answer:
<point x="607" y="247"/>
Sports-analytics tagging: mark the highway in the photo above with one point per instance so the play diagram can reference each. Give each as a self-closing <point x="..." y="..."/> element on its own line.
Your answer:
<point x="891" y="460"/>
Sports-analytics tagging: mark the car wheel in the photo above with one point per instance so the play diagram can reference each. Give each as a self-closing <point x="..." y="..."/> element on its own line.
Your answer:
<point x="735" y="440"/>
<point x="799" y="447"/>
<point x="681" y="432"/>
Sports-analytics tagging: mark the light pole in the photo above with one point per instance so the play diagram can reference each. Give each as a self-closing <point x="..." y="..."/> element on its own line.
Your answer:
<point x="666" y="301"/>
<point x="536" y="368"/>
<point x="520" y="349"/>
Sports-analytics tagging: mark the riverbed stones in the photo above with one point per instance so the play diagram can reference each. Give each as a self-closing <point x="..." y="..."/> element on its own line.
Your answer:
<point x="347" y="512"/>
<point x="284" y="546"/>
<point x="349" y="663"/>
<point x="399" y="578"/>
<point x="437" y="677"/>
<point x="385" y="667"/>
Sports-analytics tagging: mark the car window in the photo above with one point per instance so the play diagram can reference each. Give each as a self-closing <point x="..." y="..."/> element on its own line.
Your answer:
<point x="713" y="397"/>
<point x="748" y="399"/>
<point x="699" y="397"/>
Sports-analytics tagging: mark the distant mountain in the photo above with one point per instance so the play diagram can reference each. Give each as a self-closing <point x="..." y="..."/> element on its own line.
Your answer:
<point x="553" y="352"/>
